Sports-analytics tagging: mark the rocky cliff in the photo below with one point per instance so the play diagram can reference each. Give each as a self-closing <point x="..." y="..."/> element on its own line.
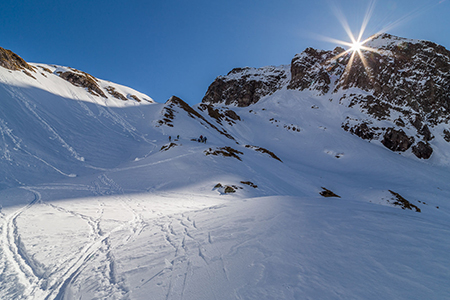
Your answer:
<point x="402" y="86"/>
<point x="245" y="86"/>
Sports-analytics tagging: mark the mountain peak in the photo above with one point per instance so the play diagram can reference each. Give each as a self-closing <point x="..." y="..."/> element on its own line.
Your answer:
<point x="400" y="88"/>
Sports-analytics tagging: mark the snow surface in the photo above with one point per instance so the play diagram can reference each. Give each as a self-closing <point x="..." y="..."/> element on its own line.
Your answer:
<point x="134" y="222"/>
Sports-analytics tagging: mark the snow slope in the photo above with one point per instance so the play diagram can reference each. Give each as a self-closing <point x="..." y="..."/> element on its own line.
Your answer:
<point x="97" y="203"/>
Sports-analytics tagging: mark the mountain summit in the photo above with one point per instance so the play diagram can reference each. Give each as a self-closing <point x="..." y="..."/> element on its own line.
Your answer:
<point x="402" y="88"/>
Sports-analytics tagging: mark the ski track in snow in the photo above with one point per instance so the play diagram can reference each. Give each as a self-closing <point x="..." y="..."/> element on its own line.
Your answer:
<point x="16" y="94"/>
<point x="53" y="284"/>
<point x="6" y="131"/>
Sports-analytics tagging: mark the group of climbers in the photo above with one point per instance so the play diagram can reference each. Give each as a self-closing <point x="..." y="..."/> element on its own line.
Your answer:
<point x="201" y="139"/>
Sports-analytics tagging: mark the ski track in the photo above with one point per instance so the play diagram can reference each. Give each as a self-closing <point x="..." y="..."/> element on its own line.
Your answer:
<point x="102" y="246"/>
<point x="53" y="284"/>
<point x="16" y="94"/>
<point x="16" y="258"/>
<point x="17" y="142"/>
<point x="189" y="248"/>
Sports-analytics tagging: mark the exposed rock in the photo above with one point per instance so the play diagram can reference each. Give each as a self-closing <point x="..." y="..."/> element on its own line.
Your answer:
<point x="168" y="116"/>
<point x="397" y="140"/>
<point x="362" y="130"/>
<point x="28" y="74"/>
<point x="232" y="115"/>
<point x="309" y="71"/>
<point x="14" y="62"/>
<point x="46" y="69"/>
<point x="422" y="150"/>
<point x="229" y="189"/>
<point x="263" y="150"/>
<point x="405" y="73"/>
<point x="167" y="147"/>
<point x="220" y="114"/>
<point x="245" y="86"/>
<point x="446" y="135"/>
<point x="82" y="79"/>
<point x="115" y="93"/>
<point x="135" y="98"/>
<point x="425" y="131"/>
<point x="175" y="102"/>
<point x="327" y="193"/>
<point x="249" y="183"/>
<point x="399" y="122"/>
<point x="402" y="202"/>
<point x="225" y="151"/>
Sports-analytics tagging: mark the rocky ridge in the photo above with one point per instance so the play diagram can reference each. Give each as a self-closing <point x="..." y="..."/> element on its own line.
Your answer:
<point x="14" y="62"/>
<point x="402" y="87"/>
<point x="245" y="86"/>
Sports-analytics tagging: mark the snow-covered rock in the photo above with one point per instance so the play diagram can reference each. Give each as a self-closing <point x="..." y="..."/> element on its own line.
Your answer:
<point x="400" y="85"/>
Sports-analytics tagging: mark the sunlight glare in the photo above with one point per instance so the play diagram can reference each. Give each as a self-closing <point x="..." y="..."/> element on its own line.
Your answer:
<point x="356" y="46"/>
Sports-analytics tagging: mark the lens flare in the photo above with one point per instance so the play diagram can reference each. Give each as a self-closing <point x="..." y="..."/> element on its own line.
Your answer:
<point x="357" y="46"/>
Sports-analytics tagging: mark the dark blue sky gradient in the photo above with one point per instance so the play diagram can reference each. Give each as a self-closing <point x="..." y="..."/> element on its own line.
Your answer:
<point x="170" y="47"/>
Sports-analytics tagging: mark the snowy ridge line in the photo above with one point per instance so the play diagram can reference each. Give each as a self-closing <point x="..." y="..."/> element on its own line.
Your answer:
<point x="16" y="94"/>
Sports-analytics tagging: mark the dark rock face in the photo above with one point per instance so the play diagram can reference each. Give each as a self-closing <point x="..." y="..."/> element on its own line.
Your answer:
<point x="362" y="130"/>
<point x="405" y="74"/>
<point x="397" y="140"/>
<point x="308" y="70"/>
<point x="446" y="135"/>
<point x="245" y="86"/>
<point x="82" y="79"/>
<point x="221" y="114"/>
<point x="398" y="200"/>
<point x="12" y="61"/>
<point x="422" y="150"/>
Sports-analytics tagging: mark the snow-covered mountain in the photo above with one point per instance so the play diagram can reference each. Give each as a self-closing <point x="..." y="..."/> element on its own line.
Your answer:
<point x="402" y="89"/>
<point x="298" y="192"/>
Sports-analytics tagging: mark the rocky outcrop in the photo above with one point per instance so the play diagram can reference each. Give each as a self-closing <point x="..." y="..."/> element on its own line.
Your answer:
<point x="398" y="200"/>
<point x="112" y="91"/>
<point x="82" y="79"/>
<point x="176" y="105"/>
<point x="245" y="86"/>
<point x="363" y="130"/>
<point x="397" y="140"/>
<point x="422" y="150"/>
<point x="404" y="76"/>
<point x="310" y="71"/>
<point x="12" y="61"/>
<point x="220" y="114"/>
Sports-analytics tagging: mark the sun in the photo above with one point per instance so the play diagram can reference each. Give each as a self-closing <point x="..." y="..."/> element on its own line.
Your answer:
<point x="356" y="46"/>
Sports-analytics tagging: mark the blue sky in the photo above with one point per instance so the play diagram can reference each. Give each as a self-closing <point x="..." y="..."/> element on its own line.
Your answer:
<point x="176" y="47"/>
